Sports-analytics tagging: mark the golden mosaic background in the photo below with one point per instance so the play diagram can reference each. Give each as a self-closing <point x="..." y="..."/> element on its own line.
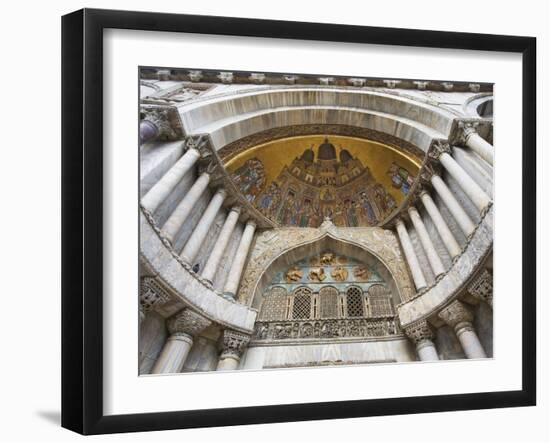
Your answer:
<point x="378" y="157"/>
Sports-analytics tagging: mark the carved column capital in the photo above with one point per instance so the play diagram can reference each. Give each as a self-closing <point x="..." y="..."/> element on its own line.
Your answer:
<point x="482" y="287"/>
<point x="465" y="129"/>
<point x="199" y="143"/>
<point x="457" y="316"/>
<point x="438" y="148"/>
<point x="163" y="119"/>
<point x="419" y="332"/>
<point x="233" y="343"/>
<point x="151" y="294"/>
<point x="187" y="322"/>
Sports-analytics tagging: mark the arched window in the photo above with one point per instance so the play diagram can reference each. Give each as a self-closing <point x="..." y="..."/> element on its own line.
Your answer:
<point x="380" y="303"/>
<point x="328" y="302"/>
<point x="301" y="308"/>
<point x="275" y="304"/>
<point x="354" y="302"/>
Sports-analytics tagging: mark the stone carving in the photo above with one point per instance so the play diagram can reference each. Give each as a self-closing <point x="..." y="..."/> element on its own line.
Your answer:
<point x="226" y="77"/>
<point x="317" y="274"/>
<point x="164" y="120"/>
<point x="457" y="315"/>
<point x="293" y="274"/>
<point x="361" y="273"/>
<point x="319" y="329"/>
<point x="272" y="243"/>
<point x="419" y="332"/>
<point x="482" y="287"/>
<point x="339" y="274"/>
<point x="233" y="343"/>
<point x="257" y="78"/>
<point x="438" y="148"/>
<point x="195" y="76"/>
<point x="151" y="294"/>
<point x="327" y="259"/>
<point x="188" y="323"/>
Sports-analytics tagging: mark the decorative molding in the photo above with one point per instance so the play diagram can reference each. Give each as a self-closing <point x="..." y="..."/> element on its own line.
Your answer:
<point x="211" y="76"/>
<point x="187" y="322"/>
<point x="324" y="328"/>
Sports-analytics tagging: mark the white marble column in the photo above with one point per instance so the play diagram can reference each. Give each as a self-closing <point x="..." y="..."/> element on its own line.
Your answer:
<point x="184" y="208"/>
<point x="410" y="255"/>
<point x="239" y="260"/>
<point x="162" y="189"/>
<point x="460" y="318"/>
<point x="211" y="266"/>
<point x="445" y="233"/>
<point x="233" y="346"/>
<point x="183" y="327"/>
<point x="474" y="192"/>
<point x="477" y="144"/>
<point x="463" y="220"/>
<point x="422" y="336"/>
<point x="427" y="244"/>
<point x="196" y="240"/>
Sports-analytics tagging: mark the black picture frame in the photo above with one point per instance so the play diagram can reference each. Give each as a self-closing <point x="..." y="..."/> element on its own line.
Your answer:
<point x="82" y="220"/>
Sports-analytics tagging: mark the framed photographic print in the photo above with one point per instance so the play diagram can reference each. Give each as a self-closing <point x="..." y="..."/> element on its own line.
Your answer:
<point x="288" y="221"/>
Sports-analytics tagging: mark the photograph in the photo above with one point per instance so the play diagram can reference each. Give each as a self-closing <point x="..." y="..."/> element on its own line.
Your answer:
<point x="292" y="220"/>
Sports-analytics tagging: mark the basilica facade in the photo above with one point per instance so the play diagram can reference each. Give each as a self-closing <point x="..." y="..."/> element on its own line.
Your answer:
<point x="290" y="221"/>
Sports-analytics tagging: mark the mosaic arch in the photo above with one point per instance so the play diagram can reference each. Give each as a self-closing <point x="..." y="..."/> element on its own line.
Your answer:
<point x="300" y="181"/>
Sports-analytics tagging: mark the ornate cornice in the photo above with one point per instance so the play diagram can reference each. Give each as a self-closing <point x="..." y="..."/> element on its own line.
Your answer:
<point x="213" y="76"/>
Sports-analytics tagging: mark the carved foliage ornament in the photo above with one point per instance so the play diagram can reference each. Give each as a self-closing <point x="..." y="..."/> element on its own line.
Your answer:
<point x="151" y="294"/>
<point x="162" y="118"/>
<point x="456" y="315"/>
<point x="234" y="343"/>
<point x="482" y="287"/>
<point x="419" y="332"/>
<point x="187" y="322"/>
<point x="438" y="148"/>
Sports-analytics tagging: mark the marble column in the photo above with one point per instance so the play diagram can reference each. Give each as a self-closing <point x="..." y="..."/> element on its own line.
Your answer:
<point x="445" y="233"/>
<point x="463" y="220"/>
<point x="427" y="244"/>
<point x="474" y="192"/>
<point x="151" y="296"/>
<point x="410" y="255"/>
<point x="174" y="223"/>
<point x="183" y="327"/>
<point x="211" y="266"/>
<point x="193" y="245"/>
<point x="162" y="189"/>
<point x="233" y="346"/>
<point x="460" y="318"/>
<point x="147" y="131"/>
<point x="239" y="260"/>
<point x="477" y="144"/>
<point x="422" y="336"/>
